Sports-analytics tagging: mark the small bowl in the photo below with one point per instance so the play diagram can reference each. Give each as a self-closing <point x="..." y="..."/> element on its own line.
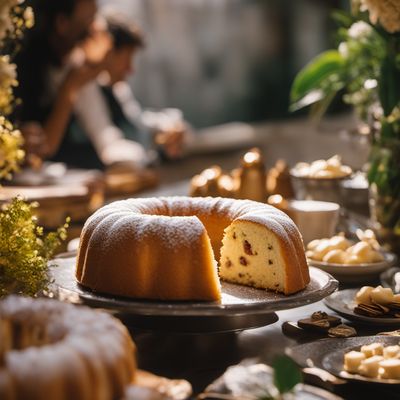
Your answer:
<point x="322" y="189"/>
<point x="356" y="273"/>
<point x="355" y="194"/>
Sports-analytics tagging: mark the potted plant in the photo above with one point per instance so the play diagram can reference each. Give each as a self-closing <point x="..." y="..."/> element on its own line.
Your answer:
<point x="366" y="68"/>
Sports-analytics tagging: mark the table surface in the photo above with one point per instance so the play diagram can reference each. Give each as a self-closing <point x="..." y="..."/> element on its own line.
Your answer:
<point x="202" y="358"/>
<point x="294" y="141"/>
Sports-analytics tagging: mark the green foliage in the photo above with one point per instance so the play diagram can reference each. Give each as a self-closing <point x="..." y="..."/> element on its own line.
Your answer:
<point x="389" y="83"/>
<point x="286" y="374"/>
<point x="367" y="67"/>
<point x="343" y="18"/>
<point x="25" y="250"/>
<point x="384" y="173"/>
<point x="317" y="79"/>
<point x="354" y="67"/>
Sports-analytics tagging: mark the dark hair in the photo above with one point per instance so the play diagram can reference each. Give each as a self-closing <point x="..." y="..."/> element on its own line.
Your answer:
<point x="124" y="33"/>
<point x="46" y="12"/>
<point x="36" y="55"/>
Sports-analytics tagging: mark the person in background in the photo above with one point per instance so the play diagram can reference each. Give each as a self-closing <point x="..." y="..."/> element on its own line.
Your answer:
<point x="122" y="134"/>
<point x="49" y="77"/>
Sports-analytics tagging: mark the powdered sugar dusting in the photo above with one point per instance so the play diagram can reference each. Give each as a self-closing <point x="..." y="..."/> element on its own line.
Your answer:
<point x="173" y="220"/>
<point x="62" y="321"/>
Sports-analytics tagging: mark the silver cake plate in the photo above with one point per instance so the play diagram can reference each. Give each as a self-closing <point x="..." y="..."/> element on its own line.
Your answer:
<point x="241" y="307"/>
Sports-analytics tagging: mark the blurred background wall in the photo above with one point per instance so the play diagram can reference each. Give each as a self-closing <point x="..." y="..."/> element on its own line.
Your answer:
<point x="225" y="60"/>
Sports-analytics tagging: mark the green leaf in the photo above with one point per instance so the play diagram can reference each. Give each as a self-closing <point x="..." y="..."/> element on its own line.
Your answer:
<point x="286" y="374"/>
<point x="325" y="66"/>
<point x="310" y="98"/>
<point x="387" y="130"/>
<point x="389" y="85"/>
<point x="343" y="18"/>
<point x="319" y="109"/>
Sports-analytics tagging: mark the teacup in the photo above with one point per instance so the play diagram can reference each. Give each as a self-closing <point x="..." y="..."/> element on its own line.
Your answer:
<point x="315" y="219"/>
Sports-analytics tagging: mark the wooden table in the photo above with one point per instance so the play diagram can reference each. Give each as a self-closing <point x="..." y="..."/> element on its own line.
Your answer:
<point x="202" y="358"/>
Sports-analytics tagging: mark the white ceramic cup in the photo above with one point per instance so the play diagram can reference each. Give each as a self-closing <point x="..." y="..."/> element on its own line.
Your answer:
<point x="315" y="219"/>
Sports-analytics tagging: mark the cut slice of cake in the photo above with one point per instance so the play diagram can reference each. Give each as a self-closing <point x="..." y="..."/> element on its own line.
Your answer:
<point x="253" y="257"/>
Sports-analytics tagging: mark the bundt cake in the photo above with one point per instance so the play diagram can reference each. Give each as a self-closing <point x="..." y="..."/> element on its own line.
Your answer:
<point x="53" y="350"/>
<point x="162" y="248"/>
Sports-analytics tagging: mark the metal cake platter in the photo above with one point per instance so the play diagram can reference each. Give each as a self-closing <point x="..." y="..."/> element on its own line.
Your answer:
<point x="241" y="307"/>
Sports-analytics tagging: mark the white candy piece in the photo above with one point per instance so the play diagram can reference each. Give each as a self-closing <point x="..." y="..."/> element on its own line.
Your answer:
<point x="364" y="252"/>
<point x="374" y="361"/>
<point x="311" y="254"/>
<point x="336" y="256"/>
<point x="323" y="174"/>
<point x="340" y="242"/>
<point x="396" y="298"/>
<point x="359" y="248"/>
<point x="334" y="163"/>
<point x="363" y="296"/>
<point x="352" y="361"/>
<point x="331" y="168"/>
<point x="313" y="244"/>
<point x="370" y="367"/>
<point x="391" y="351"/>
<point x="338" y="250"/>
<point x="382" y="295"/>
<point x="353" y="259"/>
<point x="390" y="369"/>
<point x="317" y="166"/>
<point x="323" y="248"/>
<point x="373" y="349"/>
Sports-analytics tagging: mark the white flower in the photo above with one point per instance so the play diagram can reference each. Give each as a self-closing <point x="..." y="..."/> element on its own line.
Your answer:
<point x="359" y="30"/>
<point x="370" y="84"/>
<point x="343" y="49"/>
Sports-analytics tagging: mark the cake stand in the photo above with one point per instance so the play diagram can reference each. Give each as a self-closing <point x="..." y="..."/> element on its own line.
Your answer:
<point x="241" y="307"/>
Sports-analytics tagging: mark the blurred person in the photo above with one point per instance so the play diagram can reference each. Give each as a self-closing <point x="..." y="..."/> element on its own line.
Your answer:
<point x="50" y="77"/>
<point x="122" y="134"/>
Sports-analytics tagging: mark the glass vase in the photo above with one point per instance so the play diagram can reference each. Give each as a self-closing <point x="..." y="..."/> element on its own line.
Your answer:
<point x="384" y="194"/>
